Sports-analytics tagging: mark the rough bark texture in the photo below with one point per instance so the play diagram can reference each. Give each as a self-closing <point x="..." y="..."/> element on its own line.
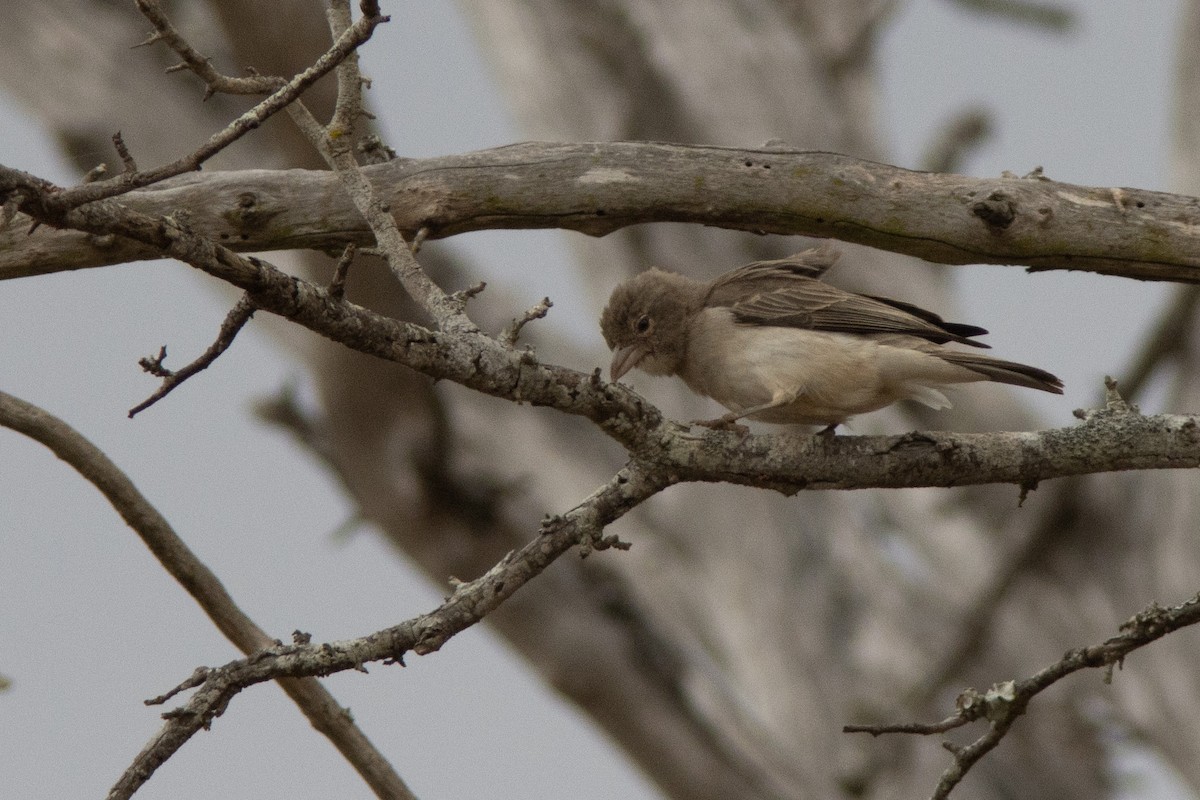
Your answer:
<point x="727" y="649"/>
<point x="597" y="188"/>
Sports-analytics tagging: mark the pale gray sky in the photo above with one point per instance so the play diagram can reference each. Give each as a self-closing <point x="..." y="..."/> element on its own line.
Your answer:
<point x="90" y="623"/>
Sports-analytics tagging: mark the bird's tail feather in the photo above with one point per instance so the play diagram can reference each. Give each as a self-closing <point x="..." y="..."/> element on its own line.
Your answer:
<point x="1009" y="372"/>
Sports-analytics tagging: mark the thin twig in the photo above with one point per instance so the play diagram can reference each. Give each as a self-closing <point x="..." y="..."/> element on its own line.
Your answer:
<point x="317" y="704"/>
<point x="470" y="603"/>
<point x="281" y="98"/>
<point x="234" y="321"/>
<point x="1005" y="702"/>
<point x="130" y="166"/>
<point x="349" y="105"/>
<point x="443" y="308"/>
<point x="337" y="285"/>
<point x="510" y="335"/>
<point x="923" y="728"/>
<point x="214" y="81"/>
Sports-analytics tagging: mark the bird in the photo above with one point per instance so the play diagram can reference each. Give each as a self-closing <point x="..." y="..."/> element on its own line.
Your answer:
<point x="773" y="342"/>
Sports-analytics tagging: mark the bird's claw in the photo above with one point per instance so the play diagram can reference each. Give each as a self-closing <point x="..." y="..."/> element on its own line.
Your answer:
<point x="722" y="424"/>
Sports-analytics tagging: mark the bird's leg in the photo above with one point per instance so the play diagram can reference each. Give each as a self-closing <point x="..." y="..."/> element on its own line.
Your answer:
<point x="730" y="421"/>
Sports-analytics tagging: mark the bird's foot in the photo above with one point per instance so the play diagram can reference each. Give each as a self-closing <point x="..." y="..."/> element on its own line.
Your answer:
<point x="725" y="423"/>
<point x="829" y="431"/>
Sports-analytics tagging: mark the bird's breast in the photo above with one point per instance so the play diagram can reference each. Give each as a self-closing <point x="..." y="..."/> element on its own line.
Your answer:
<point x="830" y="376"/>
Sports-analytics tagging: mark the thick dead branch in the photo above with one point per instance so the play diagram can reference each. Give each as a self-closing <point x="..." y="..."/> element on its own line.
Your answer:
<point x="1116" y="438"/>
<point x="597" y="188"/>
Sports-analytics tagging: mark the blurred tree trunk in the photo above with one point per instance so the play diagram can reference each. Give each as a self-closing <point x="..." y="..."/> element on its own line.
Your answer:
<point x="725" y="651"/>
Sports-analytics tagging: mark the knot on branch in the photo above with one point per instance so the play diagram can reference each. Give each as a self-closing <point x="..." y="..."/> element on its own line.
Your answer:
<point x="994" y="704"/>
<point x="1150" y="621"/>
<point x="997" y="210"/>
<point x="1114" y="405"/>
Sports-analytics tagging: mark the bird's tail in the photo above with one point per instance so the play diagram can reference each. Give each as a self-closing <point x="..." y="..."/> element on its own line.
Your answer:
<point x="1001" y="371"/>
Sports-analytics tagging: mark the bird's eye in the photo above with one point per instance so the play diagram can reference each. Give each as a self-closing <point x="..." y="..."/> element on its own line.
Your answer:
<point x="643" y="324"/>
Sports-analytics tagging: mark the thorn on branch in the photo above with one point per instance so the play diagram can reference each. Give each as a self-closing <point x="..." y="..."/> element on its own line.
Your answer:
<point x="510" y="335"/>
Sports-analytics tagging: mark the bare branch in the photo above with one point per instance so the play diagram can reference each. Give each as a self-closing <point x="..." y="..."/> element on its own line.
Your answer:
<point x="470" y="602"/>
<point x="922" y="728"/>
<point x="193" y="60"/>
<point x="238" y="316"/>
<point x="130" y="166"/>
<point x="445" y="309"/>
<point x="284" y="95"/>
<point x="597" y="188"/>
<point x="337" y="285"/>
<point x="349" y="106"/>
<point x="1112" y="439"/>
<point x="322" y="710"/>
<point x="1005" y="702"/>
<point x="513" y="332"/>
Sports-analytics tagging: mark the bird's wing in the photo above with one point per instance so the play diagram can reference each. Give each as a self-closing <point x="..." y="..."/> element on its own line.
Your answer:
<point x="788" y="293"/>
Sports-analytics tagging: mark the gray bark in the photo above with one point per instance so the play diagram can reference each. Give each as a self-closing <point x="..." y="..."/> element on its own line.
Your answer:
<point x="727" y="649"/>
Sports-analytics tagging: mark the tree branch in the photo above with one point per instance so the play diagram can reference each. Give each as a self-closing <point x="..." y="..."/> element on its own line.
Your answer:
<point x="317" y="704"/>
<point x="281" y="98"/>
<point x="237" y="317"/>
<point x="1115" y="438"/>
<point x="471" y="602"/>
<point x="597" y="188"/>
<point x="1005" y="702"/>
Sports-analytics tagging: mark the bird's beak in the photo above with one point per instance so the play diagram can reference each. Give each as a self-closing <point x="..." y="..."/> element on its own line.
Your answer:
<point x="625" y="359"/>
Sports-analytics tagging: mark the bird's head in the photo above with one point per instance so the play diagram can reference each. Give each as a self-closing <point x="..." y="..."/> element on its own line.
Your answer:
<point x="646" y="322"/>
